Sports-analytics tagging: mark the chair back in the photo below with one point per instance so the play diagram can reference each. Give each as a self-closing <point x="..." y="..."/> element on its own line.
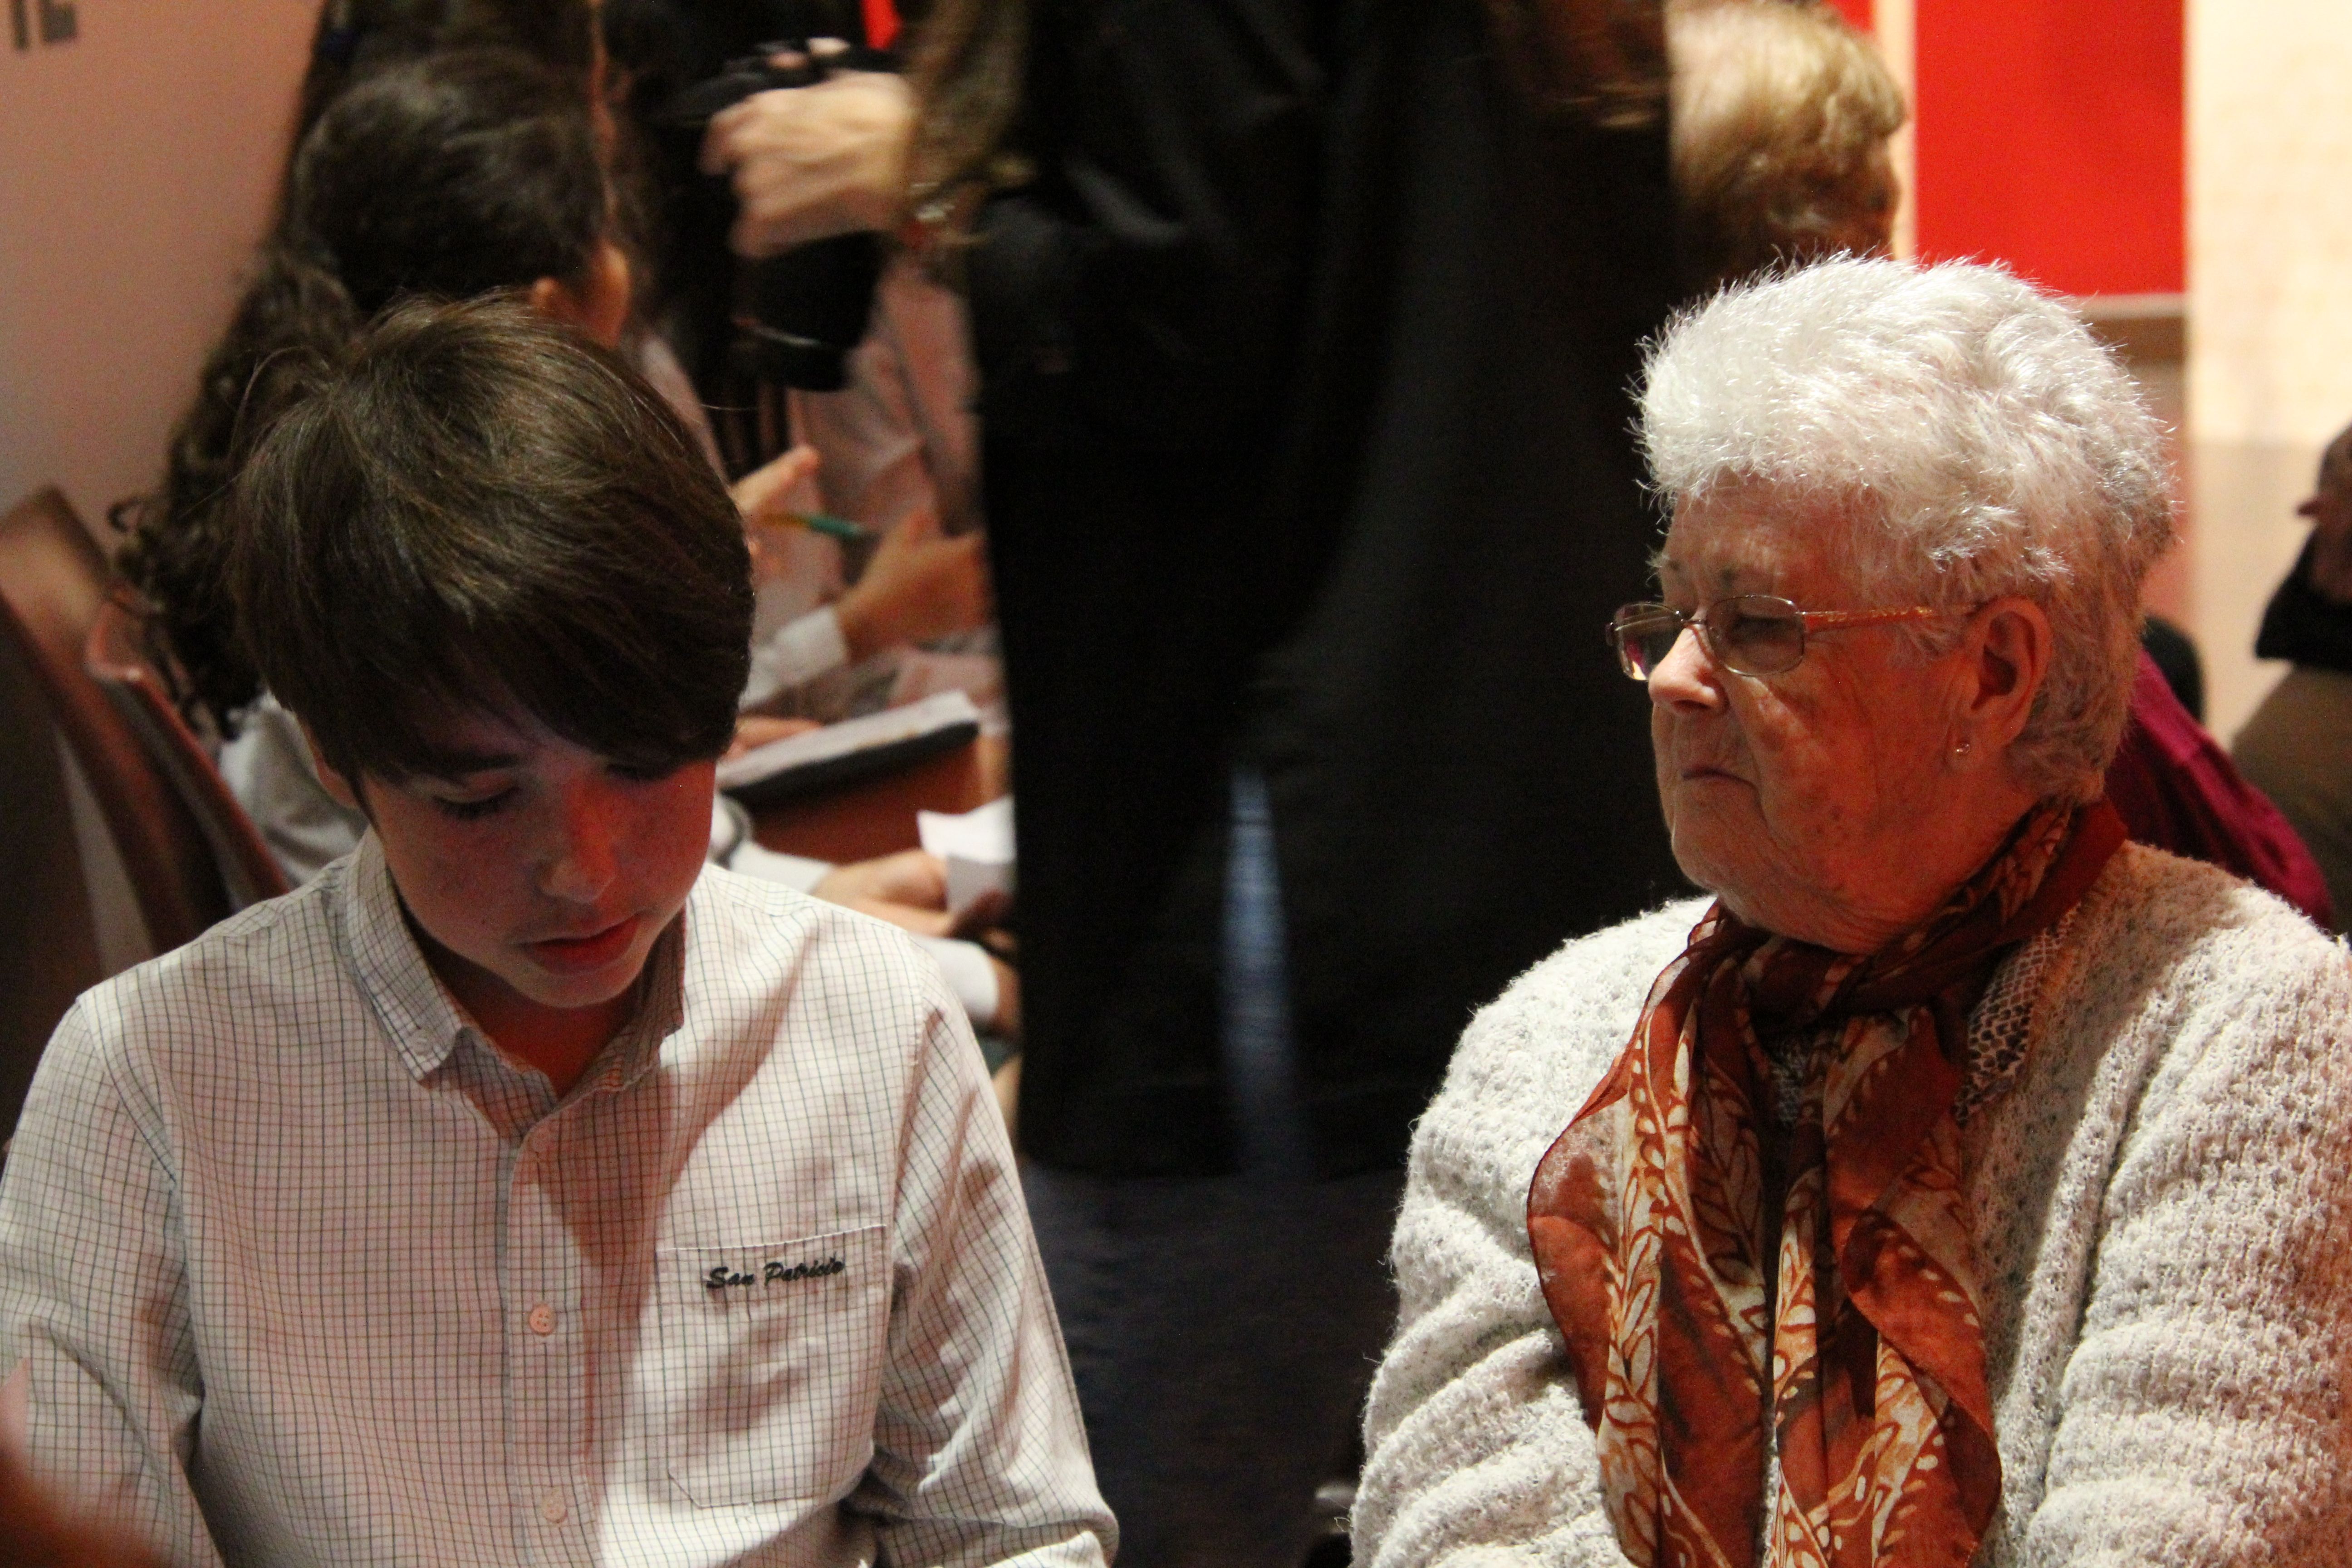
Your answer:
<point x="53" y="581"/>
<point x="120" y="659"/>
<point x="50" y="950"/>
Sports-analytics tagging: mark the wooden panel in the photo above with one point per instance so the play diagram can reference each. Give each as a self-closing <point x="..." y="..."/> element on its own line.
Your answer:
<point x="877" y="817"/>
<point x="53" y="581"/>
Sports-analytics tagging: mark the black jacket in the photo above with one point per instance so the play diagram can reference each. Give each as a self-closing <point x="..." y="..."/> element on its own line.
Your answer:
<point x="2302" y="626"/>
<point x="1305" y="365"/>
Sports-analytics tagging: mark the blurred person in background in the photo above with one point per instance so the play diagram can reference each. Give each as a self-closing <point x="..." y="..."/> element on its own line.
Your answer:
<point x="424" y="174"/>
<point x="1963" y="1183"/>
<point x="1782" y="119"/>
<point x="897" y="437"/>
<point x="1302" y="333"/>
<point x="2298" y="744"/>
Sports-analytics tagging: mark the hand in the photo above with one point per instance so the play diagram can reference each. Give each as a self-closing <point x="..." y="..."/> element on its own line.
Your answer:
<point x="909" y="890"/>
<point x="753" y="730"/>
<point x="919" y="586"/>
<point x="768" y="490"/>
<point x="811" y="161"/>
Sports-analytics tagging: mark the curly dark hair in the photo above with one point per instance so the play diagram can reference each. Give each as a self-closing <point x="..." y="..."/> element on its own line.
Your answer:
<point x="445" y="176"/>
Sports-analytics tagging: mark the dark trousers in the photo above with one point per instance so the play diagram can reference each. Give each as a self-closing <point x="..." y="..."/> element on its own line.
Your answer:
<point x="1224" y="1330"/>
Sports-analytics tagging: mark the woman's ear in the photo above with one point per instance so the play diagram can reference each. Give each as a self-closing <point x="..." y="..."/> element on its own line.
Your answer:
<point x="2008" y="652"/>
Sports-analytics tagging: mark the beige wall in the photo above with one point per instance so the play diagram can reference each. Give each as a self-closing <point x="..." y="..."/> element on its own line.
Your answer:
<point x="136" y="167"/>
<point x="2270" y="286"/>
<point x="1893" y="23"/>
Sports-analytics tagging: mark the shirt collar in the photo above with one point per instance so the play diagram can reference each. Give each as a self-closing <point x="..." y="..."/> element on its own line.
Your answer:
<point x="424" y="1021"/>
<point x="661" y="1011"/>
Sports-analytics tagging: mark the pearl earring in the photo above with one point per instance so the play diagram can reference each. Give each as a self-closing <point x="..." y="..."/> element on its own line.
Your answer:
<point x="1963" y="749"/>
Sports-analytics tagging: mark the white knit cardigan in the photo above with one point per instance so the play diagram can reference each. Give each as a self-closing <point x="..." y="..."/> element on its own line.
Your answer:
<point x="2161" y="1199"/>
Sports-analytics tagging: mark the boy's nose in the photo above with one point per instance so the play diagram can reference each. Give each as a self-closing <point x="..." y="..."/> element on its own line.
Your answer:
<point x="584" y="856"/>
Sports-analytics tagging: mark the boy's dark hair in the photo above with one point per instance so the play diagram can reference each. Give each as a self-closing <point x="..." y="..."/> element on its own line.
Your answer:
<point x="448" y="176"/>
<point x="480" y="510"/>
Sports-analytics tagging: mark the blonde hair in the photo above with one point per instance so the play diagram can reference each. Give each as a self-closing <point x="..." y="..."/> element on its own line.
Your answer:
<point x="1779" y="111"/>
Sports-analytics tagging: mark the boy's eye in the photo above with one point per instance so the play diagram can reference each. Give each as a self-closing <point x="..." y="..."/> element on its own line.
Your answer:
<point x="470" y="809"/>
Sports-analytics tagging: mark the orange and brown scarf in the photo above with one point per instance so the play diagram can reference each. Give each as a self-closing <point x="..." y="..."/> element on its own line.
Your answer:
<point x="1651" y="1215"/>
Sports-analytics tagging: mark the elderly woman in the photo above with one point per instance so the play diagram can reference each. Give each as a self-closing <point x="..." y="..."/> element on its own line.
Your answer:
<point x="1962" y="1184"/>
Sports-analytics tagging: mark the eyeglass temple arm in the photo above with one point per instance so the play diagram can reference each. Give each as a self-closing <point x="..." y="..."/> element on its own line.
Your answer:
<point x="1830" y="620"/>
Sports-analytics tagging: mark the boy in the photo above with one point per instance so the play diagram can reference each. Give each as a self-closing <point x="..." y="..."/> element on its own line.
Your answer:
<point x="520" y="1191"/>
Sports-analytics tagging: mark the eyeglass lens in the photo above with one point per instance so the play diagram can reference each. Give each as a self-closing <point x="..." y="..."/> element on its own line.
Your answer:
<point x="1752" y="633"/>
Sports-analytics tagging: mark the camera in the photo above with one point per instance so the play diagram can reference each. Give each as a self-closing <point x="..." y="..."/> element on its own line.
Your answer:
<point x="795" y="316"/>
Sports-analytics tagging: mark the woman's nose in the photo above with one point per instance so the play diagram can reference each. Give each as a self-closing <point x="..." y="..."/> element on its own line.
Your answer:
<point x="1686" y="676"/>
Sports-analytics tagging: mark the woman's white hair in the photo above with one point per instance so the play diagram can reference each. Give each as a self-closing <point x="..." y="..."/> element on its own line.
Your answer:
<point x="1975" y="437"/>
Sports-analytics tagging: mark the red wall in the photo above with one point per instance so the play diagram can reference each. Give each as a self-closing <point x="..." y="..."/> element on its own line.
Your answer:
<point x="2050" y="136"/>
<point x="1856" y="11"/>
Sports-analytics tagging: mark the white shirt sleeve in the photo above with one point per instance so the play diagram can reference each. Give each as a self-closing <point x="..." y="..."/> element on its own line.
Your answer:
<point x="114" y="1392"/>
<point x="979" y="1456"/>
<point x="732" y="845"/>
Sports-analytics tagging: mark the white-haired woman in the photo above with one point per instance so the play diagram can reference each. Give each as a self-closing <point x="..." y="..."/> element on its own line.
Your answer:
<point x="1973" y="1188"/>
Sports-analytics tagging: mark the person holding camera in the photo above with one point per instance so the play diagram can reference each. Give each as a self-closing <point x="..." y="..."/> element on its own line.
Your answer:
<point x="1302" y="334"/>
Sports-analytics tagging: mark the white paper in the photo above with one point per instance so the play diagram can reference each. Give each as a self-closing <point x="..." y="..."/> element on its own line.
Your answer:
<point x="886" y="728"/>
<point x="977" y="846"/>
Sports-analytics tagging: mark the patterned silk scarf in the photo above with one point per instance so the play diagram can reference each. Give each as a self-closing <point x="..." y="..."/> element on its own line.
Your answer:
<point x="1652" y="1219"/>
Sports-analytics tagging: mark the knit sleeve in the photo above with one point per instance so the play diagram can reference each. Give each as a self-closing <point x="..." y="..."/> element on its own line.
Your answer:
<point x="2203" y="1415"/>
<point x="1478" y="1453"/>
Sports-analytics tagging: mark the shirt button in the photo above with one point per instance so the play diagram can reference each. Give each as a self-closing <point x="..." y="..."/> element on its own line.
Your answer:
<point x="543" y="1319"/>
<point x="551" y="1508"/>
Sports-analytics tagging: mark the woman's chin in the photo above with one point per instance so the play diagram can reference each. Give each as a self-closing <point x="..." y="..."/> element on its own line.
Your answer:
<point x="1765" y="898"/>
<point x="1709" y="848"/>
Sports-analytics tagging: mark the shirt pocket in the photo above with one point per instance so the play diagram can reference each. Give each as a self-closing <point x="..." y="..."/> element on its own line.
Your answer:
<point x="771" y="1365"/>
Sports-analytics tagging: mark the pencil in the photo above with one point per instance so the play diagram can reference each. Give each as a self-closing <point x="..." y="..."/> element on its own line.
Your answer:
<point x="839" y="528"/>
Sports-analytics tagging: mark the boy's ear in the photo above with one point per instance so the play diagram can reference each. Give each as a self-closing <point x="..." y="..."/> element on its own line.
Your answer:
<point x="342" y="791"/>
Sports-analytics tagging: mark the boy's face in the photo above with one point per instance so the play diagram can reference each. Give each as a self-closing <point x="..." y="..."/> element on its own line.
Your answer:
<point x="539" y="873"/>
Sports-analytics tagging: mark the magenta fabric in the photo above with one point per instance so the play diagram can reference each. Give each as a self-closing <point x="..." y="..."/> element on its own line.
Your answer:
<point x="2178" y="790"/>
